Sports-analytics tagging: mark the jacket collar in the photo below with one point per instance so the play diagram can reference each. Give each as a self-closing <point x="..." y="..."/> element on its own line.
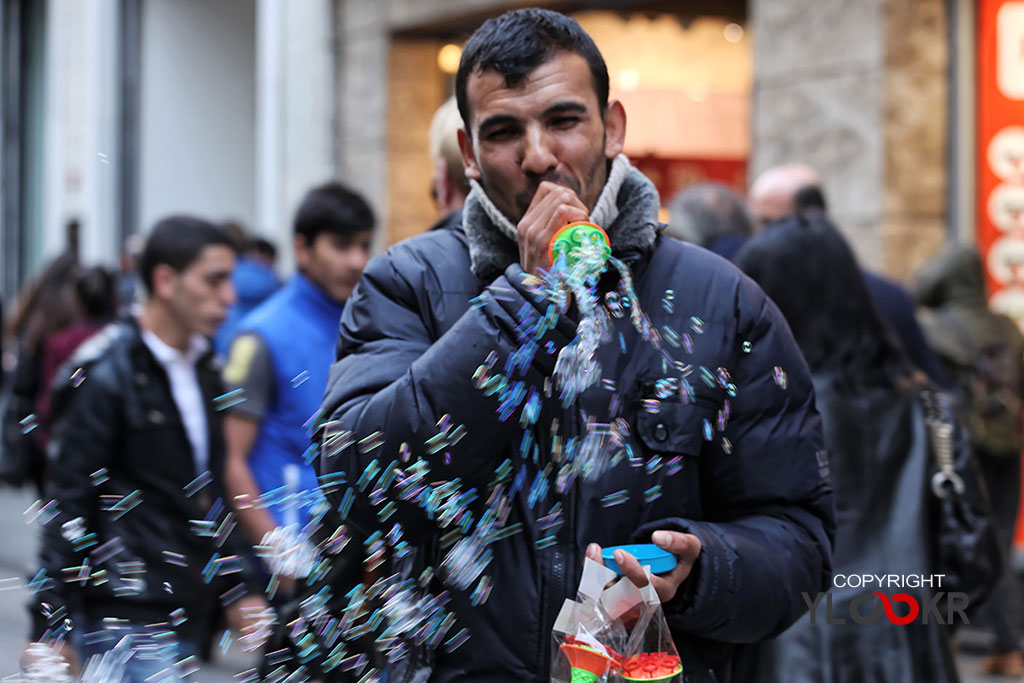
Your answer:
<point x="633" y="229"/>
<point x="316" y="297"/>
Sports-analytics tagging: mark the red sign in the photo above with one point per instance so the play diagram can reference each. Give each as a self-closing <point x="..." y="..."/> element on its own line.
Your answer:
<point x="1000" y="151"/>
<point x="670" y="175"/>
<point x="1000" y="157"/>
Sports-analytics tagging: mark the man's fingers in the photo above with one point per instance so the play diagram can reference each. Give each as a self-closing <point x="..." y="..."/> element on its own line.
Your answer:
<point x="594" y="553"/>
<point x="631" y="568"/>
<point x="686" y="547"/>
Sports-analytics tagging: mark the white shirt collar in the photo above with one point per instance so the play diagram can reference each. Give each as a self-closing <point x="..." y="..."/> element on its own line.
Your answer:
<point x="165" y="353"/>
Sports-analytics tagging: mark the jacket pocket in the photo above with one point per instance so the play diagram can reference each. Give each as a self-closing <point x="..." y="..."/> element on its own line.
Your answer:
<point x="677" y="427"/>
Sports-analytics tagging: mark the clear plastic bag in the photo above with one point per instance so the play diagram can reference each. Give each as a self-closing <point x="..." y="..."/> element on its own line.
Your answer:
<point x="613" y="634"/>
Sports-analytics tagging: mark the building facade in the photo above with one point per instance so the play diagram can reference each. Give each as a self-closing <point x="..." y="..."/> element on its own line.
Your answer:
<point x="118" y="112"/>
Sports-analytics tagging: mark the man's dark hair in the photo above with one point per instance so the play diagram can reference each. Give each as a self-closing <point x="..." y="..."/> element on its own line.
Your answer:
<point x="809" y="198"/>
<point x="335" y="209"/>
<point x="262" y="247"/>
<point x="517" y="42"/>
<point x="96" y="290"/>
<point x="178" y="241"/>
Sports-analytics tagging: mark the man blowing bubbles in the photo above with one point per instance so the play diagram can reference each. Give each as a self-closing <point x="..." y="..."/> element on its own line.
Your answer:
<point x="751" y="528"/>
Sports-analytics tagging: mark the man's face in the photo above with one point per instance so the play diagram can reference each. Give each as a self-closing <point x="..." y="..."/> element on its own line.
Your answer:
<point x="201" y="294"/>
<point x="334" y="263"/>
<point x="549" y="127"/>
<point x="770" y="206"/>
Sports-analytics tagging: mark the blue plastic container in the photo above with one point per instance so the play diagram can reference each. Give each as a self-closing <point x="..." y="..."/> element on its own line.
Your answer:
<point x="660" y="561"/>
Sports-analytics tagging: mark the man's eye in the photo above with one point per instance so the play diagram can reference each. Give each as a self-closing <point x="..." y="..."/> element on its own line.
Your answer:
<point x="501" y="134"/>
<point x="565" y="121"/>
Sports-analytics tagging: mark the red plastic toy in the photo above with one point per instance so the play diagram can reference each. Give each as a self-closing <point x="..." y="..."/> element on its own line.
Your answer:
<point x="651" y="666"/>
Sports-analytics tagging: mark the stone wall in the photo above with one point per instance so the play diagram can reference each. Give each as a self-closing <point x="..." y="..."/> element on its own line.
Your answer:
<point x="916" y="96"/>
<point x="859" y="90"/>
<point x="376" y="120"/>
<point x="416" y="91"/>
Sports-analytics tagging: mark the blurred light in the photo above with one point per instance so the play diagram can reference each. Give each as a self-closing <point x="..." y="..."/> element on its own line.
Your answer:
<point x="698" y="93"/>
<point x="663" y="215"/>
<point x="628" y="79"/>
<point x="448" y="58"/>
<point x="733" y="33"/>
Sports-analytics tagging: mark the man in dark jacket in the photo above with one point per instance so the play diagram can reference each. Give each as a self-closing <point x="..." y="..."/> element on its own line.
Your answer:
<point x="138" y="542"/>
<point x="701" y="437"/>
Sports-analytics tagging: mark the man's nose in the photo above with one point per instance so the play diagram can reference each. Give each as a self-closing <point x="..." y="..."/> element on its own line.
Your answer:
<point x="229" y="295"/>
<point x="538" y="156"/>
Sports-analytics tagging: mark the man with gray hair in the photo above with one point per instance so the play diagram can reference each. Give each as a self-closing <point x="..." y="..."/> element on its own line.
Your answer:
<point x="710" y="215"/>
<point x="448" y="186"/>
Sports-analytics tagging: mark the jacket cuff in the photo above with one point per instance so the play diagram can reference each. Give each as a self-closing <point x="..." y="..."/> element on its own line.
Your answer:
<point x="699" y="604"/>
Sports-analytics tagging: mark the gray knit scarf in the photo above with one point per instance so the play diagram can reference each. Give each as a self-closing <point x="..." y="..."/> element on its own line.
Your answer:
<point x="627" y="209"/>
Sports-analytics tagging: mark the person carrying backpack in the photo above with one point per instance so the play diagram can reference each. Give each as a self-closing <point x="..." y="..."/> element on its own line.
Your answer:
<point x="983" y="353"/>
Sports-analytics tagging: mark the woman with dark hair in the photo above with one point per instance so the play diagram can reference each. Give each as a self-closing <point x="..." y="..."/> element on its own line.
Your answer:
<point x="44" y="308"/>
<point x="96" y="304"/>
<point x="868" y="396"/>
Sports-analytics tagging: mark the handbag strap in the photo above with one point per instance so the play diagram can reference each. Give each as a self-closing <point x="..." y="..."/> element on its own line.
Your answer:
<point x="939" y="419"/>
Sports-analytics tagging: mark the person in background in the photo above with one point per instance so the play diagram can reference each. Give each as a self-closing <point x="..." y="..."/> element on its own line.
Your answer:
<point x="879" y="462"/>
<point x="44" y="308"/>
<point x="97" y="304"/>
<point x="137" y="456"/>
<point x="796" y="188"/>
<point x="771" y="194"/>
<point x="254" y="280"/>
<point x="279" y="360"/>
<point x="449" y="186"/>
<point x="983" y="352"/>
<point x="711" y="215"/>
<point x="262" y="250"/>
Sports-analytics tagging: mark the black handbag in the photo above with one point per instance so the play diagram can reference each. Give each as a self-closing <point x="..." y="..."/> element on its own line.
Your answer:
<point x="966" y="546"/>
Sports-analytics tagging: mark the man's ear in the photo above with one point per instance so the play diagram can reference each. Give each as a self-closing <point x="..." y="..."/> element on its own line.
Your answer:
<point x="301" y="249"/>
<point x="165" y="279"/>
<point x="468" y="158"/>
<point x="615" y="129"/>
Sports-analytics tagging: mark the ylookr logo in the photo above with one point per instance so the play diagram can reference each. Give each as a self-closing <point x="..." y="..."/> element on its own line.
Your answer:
<point x="901" y="609"/>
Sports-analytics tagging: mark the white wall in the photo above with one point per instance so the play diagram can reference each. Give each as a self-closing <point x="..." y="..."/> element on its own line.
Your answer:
<point x="197" y="111"/>
<point x="294" y="112"/>
<point x="81" y="138"/>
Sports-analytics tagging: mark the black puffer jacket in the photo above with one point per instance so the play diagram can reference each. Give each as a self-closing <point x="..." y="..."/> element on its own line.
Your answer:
<point x="411" y="341"/>
<point x="121" y="464"/>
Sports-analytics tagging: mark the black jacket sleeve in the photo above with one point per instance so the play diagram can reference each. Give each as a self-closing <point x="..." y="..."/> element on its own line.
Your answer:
<point x="82" y="445"/>
<point x="395" y="380"/>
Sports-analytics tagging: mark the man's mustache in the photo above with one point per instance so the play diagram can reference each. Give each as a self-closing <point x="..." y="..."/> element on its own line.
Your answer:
<point x="552" y="177"/>
<point x="525" y="198"/>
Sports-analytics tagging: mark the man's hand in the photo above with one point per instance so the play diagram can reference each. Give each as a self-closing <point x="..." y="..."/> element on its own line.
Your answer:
<point x="686" y="548"/>
<point x="553" y="207"/>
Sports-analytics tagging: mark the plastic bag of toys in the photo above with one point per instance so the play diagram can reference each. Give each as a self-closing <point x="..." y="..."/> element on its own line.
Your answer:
<point x="613" y="633"/>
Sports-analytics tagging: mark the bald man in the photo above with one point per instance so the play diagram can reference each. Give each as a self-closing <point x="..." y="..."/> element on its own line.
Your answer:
<point x="795" y="188"/>
<point x="773" y="192"/>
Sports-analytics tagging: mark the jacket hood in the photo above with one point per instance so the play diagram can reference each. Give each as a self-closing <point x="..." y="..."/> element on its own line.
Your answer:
<point x="956" y="276"/>
<point x="254" y="281"/>
<point x="634" y="229"/>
